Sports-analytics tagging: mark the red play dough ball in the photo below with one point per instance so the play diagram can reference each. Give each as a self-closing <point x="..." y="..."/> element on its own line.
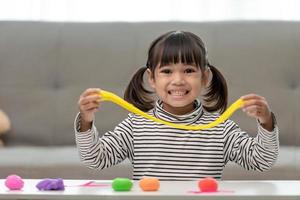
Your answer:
<point x="14" y="182"/>
<point x="208" y="185"/>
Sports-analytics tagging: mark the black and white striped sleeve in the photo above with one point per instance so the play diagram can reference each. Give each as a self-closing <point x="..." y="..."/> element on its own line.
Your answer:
<point x="110" y="149"/>
<point x="252" y="153"/>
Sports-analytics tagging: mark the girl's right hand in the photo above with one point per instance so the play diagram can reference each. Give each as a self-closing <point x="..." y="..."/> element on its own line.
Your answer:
<point x="88" y="103"/>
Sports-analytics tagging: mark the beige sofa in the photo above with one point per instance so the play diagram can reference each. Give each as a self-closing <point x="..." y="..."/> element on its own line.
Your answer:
<point x="44" y="67"/>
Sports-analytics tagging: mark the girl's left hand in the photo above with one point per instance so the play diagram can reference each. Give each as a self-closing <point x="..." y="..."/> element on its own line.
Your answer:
<point x="257" y="106"/>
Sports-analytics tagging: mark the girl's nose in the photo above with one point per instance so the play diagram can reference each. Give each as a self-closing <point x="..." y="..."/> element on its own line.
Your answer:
<point x="178" y="78"/>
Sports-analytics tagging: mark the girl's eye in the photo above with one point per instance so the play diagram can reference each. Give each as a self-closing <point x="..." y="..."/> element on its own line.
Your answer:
<point x="190" y="70"/>
<point x="166" y="71"/>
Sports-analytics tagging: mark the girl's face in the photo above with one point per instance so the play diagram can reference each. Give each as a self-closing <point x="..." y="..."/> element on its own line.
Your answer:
<point x="177" y="86"/>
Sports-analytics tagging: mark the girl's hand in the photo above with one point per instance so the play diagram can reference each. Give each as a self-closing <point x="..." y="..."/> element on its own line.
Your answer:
<point x="88" y="103"/>
<point x="257" y="106"/>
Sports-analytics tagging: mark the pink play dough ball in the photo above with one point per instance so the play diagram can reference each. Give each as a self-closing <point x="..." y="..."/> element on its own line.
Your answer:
<point x="14" y="182"/>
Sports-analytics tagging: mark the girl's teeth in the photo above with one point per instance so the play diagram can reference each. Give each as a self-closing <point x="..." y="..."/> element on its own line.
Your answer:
<point x="179" y="93"/>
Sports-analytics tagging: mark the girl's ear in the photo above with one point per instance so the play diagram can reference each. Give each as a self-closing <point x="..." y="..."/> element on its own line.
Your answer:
<point x="206" y="77"/>
<point x="150" y="78"/>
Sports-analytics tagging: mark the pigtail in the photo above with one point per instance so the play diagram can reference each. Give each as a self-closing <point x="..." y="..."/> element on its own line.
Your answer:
<point x="137" y="94"/>
<point x="217" y="92"/>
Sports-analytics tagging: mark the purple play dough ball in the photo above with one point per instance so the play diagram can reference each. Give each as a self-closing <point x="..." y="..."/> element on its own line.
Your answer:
<point x="51" y="184"/>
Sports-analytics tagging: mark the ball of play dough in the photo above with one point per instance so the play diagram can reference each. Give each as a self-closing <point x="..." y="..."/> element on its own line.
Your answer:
<point x="51" y="184"/>
<point x="14" y="182"/>
<point x="208" y="185"/>
<point x="122" y="184"/>
<point x="149" y="184"/>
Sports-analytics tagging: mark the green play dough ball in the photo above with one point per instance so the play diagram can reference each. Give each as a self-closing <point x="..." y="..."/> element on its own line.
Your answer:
<point x="122" y="184"/>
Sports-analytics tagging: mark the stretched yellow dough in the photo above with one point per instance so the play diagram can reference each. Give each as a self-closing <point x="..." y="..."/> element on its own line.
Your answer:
<point x="108" y="96"/>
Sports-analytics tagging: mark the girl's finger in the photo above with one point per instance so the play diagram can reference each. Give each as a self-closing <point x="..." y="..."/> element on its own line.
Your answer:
<point x="258" y="102"/>
<point x="252" y="108"/>
<point x="90" y="106"/>
<point x="252" y="114"/>
<point x="90" y="91"/>
<point x="91" y="98"/>
<point x="252" y="96"/>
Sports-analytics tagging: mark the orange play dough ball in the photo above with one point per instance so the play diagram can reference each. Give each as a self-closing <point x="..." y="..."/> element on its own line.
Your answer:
<point x="149" y="184"/>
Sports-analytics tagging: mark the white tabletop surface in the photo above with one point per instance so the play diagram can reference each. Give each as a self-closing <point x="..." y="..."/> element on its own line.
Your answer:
<point x="232" y="190"/>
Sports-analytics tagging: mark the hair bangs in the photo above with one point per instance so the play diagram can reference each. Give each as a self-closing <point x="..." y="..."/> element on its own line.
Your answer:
<point x="180" y="48"/>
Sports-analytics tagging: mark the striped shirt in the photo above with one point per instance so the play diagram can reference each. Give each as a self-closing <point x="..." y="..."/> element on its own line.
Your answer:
<point x="168" y="153"/>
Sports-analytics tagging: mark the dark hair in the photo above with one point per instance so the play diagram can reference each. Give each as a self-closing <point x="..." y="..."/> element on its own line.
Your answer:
<point x="175" y="47"/>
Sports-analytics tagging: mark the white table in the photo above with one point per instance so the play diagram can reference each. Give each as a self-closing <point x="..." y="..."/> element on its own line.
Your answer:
<point x="169" y="190"/>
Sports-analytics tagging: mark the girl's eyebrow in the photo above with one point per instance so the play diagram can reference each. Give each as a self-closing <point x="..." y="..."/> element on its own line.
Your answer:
<point x="161" y="66"/>
<point x="191" y="66"/>
<point x="184" y="65"/>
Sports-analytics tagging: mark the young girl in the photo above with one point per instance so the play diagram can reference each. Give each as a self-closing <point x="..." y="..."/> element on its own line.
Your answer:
<point x="179" y="72"/>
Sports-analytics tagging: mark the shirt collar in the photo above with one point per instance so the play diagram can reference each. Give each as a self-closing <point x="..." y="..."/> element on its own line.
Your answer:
<point x="188" y="118"/>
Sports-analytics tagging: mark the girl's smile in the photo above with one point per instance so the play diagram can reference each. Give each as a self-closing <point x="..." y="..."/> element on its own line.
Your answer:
<point x="178" y="93"/>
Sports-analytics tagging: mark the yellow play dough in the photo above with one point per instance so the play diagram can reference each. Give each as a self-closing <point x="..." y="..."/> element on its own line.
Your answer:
<point x="108" y="96"/>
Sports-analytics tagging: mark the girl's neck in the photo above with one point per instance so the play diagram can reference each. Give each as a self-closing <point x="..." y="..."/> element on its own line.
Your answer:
<point x="179" y="110"/>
